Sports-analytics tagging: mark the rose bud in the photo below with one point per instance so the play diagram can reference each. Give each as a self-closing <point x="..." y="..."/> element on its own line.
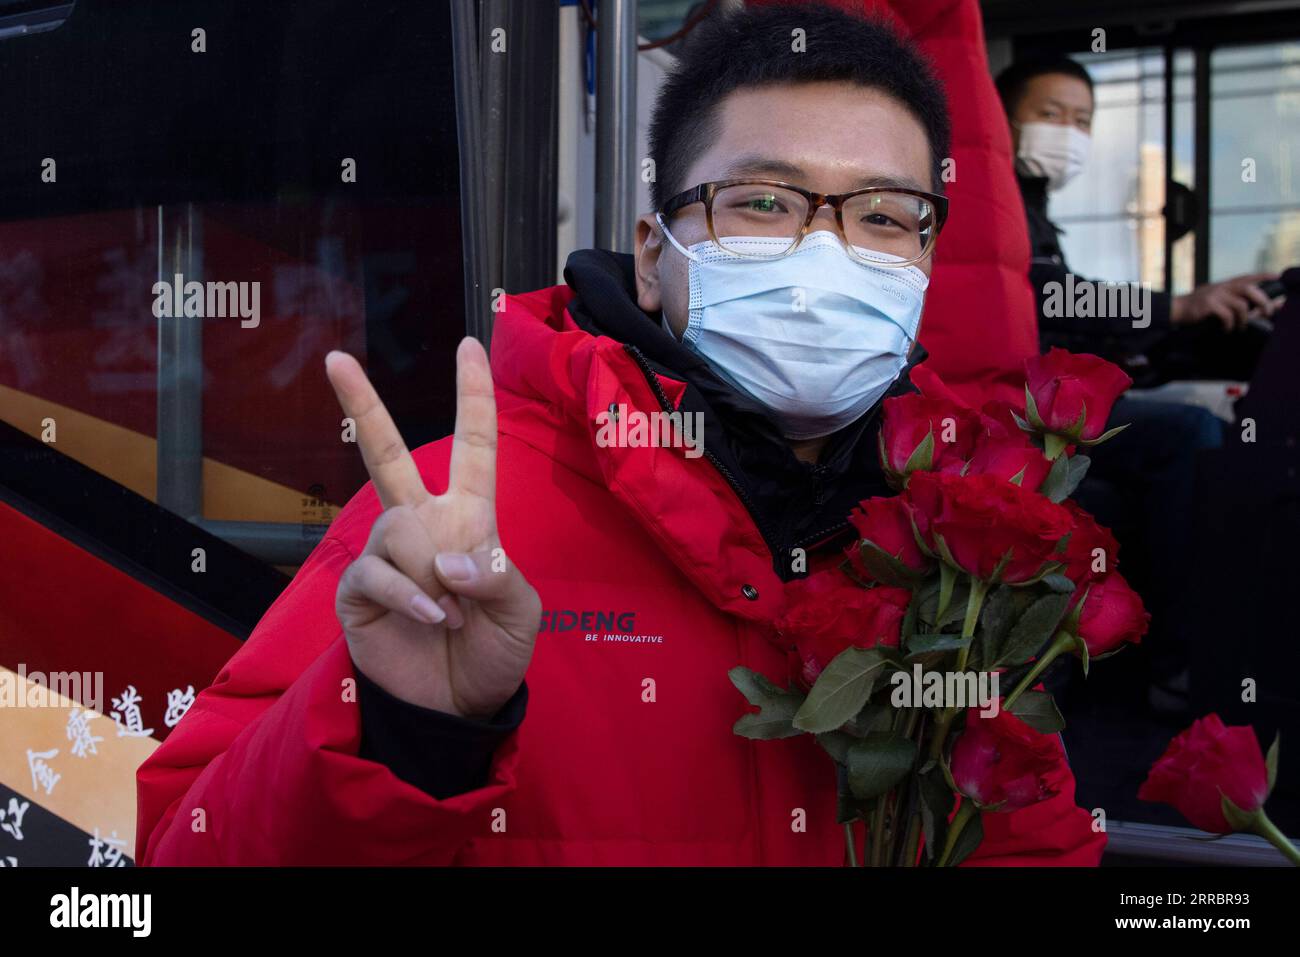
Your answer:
<point x="1069" y="396"/>
<point x="1205" y="763"/>
<point x="1003" y="764"/>
<point x="919" y="433"/>
<point x="1092" y="551"/>
<point x="886" y="525"/>
<point x="1113" y="613"/>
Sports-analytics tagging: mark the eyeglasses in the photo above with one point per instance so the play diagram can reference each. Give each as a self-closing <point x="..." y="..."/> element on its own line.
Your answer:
<point x="902" y="223"/>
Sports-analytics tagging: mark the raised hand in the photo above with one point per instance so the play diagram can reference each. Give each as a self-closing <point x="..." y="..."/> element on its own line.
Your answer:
<point x="433" y="611"/>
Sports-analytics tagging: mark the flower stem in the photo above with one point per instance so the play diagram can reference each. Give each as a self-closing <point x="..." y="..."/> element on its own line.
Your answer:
<point x="912" y="842"/>
<point x="941" y="722"/>
<point x="1063" y="642"/>
<point x="978" y="589"/>
<point x="878" y="831"/>
<point x="1269" y="832"/>
<point x="849" y="844"/>
<point x="954" y="830"/>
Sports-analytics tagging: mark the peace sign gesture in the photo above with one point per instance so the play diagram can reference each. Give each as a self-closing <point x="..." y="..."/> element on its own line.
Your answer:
<point x="433" y="611"/>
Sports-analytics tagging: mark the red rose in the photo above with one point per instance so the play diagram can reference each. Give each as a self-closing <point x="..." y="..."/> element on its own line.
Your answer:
<point x="981" y="518"/>
<point x="1064" y="385"/>
<point x="1083" y="561"/>
<point x="827" y="612"/>
<point x="1003" y="762"/>
<point x="1112" y="614"/>
<point x="931" y="386"/>
<point x="1007" y="452"/>
<point x="1206" y="759"/>
<point x="908" y="419"/>
<point x="996" y="412"/>
<point x="886" y="522"/>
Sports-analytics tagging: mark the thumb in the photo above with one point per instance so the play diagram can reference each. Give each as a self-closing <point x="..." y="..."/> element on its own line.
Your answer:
<point x="495" y="582"/>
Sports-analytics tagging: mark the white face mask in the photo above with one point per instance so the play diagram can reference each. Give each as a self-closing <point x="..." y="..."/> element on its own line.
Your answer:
<point x="814" y="337"/>
<point x="1052" y="150"/>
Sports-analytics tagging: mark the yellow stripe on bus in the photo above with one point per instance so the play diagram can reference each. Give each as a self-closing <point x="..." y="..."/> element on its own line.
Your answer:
<point x="93" y="790"/>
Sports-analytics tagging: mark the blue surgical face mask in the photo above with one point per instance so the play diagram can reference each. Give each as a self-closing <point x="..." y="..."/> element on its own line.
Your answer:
<point x="815" y="337"/>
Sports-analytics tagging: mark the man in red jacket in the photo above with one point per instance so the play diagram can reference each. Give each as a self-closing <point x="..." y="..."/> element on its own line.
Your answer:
<point x="377" y="713"/>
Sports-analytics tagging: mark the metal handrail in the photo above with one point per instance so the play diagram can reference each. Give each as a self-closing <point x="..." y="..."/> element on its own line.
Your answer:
<point x="1163" y="844"/>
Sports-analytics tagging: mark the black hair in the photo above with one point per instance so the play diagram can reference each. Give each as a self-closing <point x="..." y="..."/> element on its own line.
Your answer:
<point x="1012" y="81"/>
<point x="752" y="47"/>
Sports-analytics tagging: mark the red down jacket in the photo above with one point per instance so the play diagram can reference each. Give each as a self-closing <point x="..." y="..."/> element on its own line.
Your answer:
<point x="595" y="775"/>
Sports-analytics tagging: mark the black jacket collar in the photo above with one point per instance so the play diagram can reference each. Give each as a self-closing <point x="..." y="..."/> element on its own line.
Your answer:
<point x="1044" y="235"/>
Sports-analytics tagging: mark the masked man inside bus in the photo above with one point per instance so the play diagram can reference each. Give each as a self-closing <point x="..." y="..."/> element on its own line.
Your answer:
<point x="1207" y="333"/>
<point x="380" y="713"/>
<point x="1141" y="483"/>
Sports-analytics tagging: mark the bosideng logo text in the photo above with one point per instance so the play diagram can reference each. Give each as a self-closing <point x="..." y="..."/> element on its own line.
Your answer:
<point x="599" y="626"/>
<point x="565" y="620"/>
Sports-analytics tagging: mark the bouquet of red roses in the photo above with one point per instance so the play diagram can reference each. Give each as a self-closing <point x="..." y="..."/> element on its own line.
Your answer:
<point x="914" y="661"/>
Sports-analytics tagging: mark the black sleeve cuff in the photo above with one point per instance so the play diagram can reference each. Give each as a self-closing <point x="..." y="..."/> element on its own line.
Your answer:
<point x="442" y="754"/>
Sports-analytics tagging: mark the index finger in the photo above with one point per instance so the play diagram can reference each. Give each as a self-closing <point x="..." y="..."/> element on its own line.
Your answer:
<point x="1254" y="278"/>
<point x="392" y="470"/>
<point x="474" y="447"/>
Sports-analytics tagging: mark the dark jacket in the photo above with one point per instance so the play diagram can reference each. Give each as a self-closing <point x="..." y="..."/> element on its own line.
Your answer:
<point x="1111" y="337"/>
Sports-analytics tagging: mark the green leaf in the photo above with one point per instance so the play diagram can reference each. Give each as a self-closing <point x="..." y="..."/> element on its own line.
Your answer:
<point x="996" y="618"/>
<point x="928" y="644"/>
<point x="936" y="804"/>
<point x="1054" y="485"/>
<point x="755" y="687"/>
<point x="770" y="723"/>
<point x="917" y="537"/>
<point x="1038" y="710"/>
<point x="1085" y="658"/>
<point x="1237" y="819"/>
<point x="1031" y="411"/>
<point x="841" y="690"/>
<point x="1044" y="570"/>
<point x="922" y="457"/>
<point x="884" y="567"/>
<point x="874" y="717"/>
<point x="1079" y="464"/>
<point x="1270" y="761"/>
<point x="947" y="580"/>
<point x="878" y="762"/>
<point x="968" y="840"/>
<point x="1059" y="584"/>
<point x="1054" y="445"/>
<point x="837" y="744"/>
<point x="956" y="605"/>
<point x="777" y="707"/>
<point x="1035" y="627"/>
<point x="1109" y="434"/>
<point x="1066" y="474"/>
